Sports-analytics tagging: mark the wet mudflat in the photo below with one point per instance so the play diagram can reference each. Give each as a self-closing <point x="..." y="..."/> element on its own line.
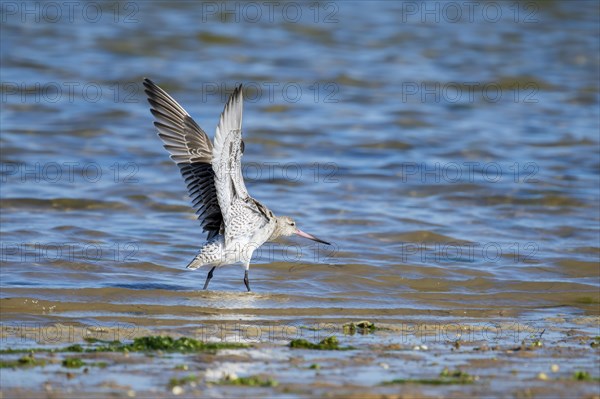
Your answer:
<point x="357" y="359"/>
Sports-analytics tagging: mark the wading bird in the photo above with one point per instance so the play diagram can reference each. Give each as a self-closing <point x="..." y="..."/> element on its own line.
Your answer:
<point x="236" y="223"/>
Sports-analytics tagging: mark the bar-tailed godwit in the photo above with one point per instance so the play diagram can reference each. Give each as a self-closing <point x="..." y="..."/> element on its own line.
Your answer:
<point x="236" y="223"/>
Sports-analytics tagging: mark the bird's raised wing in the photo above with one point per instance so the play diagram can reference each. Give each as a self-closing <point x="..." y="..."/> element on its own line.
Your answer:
<point x="227" y="156"/>
<point x="192" y="150"/>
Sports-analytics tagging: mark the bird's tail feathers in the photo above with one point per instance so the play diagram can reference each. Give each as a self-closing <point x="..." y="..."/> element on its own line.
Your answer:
<point x="195" y="263"/>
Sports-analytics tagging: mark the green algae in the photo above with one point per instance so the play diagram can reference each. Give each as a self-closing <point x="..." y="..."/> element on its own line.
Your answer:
<point x="425" y="381"/>
<point x="180" y="345"/>
<point x="581" y="375"/>
<point x="457" y="374"/>
<point x="446" y="377"/>
<point x="10" y="351"/>
<point x="25" y="361"/>
<point x="91" y="340"/>
<point x="74" y="348"/>
<point x="73" y="363"/>
<point x="109" y="346"/>
<point x="250" y="381"/>
<point x="71" y="348"/>
<point x="536" y="344"/>
<point x="311" y="328"/>
<point x="362" y="327"/>
<point x="174" y="382"/>
<point x="329" y="343"/>
<point x="141" y="344"/>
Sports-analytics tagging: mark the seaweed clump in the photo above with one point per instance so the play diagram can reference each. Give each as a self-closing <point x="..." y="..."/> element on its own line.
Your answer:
<point x="329" y="343"/>
<point x="362" y="327"/>
<point x="166" y="344"/>
<point x="250" y="381"/>
<point x="446" y="377"/>
<point x="24" y="361"/>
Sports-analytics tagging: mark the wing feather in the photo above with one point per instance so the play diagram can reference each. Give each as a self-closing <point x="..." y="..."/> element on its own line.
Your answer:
<point x="227" y="156"/>
<point x="192" y="150"/>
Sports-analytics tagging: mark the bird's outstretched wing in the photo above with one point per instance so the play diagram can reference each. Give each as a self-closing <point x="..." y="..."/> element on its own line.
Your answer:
<point x="192" y="150"/>
<point x="227" y="158"/>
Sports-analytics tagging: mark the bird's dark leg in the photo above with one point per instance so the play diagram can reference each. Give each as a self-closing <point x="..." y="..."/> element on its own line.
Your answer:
<point x="246" y="281"/>
<point x="208" y="277"/>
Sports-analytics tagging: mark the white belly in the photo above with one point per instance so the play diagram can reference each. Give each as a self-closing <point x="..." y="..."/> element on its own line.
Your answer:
<point x="238" y="251"/>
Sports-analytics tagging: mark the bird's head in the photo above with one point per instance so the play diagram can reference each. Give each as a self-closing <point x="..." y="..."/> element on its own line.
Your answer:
<point x="286" y="226"/>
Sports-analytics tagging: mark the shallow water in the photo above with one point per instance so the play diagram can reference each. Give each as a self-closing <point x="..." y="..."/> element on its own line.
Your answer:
<point x="454" y="166"/>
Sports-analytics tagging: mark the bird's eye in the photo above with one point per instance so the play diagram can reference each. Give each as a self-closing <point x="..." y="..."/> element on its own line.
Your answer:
<point x="293" y="224"/>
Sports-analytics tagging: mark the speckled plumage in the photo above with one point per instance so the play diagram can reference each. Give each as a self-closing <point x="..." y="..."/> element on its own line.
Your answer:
<point x="236" y="223"/>
<point x="248" y="230"/>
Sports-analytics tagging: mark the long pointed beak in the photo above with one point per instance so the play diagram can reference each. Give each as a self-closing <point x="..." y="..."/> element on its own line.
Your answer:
<point x="310" y="237"/>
